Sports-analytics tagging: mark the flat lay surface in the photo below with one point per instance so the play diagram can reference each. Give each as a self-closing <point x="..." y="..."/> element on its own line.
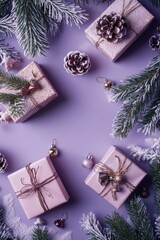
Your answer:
<point x="80" y="119"/>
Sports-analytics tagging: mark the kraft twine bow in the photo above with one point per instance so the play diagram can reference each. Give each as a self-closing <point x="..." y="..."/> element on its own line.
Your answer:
<point x="116" y="178"/>
<point x="35" y="187"/>
<point x="32" y="86"/>
<point x="126" y="10"/>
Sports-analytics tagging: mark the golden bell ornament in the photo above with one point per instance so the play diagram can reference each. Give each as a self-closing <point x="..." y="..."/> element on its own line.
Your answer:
<point x="53" y="152"/>
<point x="108" y="84"/>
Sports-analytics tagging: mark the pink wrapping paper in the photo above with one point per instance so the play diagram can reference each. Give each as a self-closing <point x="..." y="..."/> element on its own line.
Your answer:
<point x="31" y="204"/>
<point x="139" y="20"/>
<point x="43" y="96"/>
<point x="134" y="175"/>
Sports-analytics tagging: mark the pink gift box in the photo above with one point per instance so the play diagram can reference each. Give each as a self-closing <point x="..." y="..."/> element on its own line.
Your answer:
<point x="51" y="191"/>
<point x="40" y="97"/>
<point x="138" y="20"/>
<point x="133" y="176"/>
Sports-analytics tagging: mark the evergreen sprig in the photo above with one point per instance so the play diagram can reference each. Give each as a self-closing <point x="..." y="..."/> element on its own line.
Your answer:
<point x="140" y="218"/>
<point x="93" y="229"/>
<point x="30" y="30"/>
<point x="58" y="10"/>
<point x="156" y="3"/>
<point x="120" y="228"/>
<point x="5" y="7"/>
<point x="7" y="26"/>
<point x="40" y="234"/>
<point x="15" y="103"/>
<point x="5" y="231"/>
<point x="33" y="20"/>
<point x="11" y="82"/>
<point x="136" y="93"/>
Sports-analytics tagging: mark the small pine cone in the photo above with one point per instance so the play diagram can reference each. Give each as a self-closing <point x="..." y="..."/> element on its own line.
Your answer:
<point x="3" y="163"/>
<point x="154" y="42"/>
<point x="113" y="27"/>
<point x="77" y="63"/>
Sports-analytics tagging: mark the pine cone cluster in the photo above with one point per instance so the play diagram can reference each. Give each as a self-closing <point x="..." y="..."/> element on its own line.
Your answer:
<point x="154" y="42"/>
<point x="113" y="27"/>
<point x="3" y="163"/>
<point x="77" y="63"/>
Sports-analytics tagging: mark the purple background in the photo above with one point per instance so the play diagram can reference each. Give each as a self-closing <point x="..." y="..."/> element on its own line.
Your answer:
<point x="80" y="119"/>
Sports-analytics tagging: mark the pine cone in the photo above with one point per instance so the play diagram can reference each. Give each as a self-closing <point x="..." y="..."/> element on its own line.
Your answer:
<point x="154" y="42"/>
<point x="113" y="27"/>
<point x="3" y="163"/>
<point x="77" y="63"/>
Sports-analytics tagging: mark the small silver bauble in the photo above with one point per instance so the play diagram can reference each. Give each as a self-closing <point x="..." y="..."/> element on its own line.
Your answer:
<point x="88" y="161"/>
<point x="39" y="222"/>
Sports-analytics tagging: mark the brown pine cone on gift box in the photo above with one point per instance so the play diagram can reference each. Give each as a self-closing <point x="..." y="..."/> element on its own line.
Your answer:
<point x="77" y="63"/>
<point x="113" y="27"/>
<point x="154" y="42"/>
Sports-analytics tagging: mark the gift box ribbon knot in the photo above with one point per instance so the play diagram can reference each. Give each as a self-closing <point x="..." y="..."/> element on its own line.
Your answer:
<point x="36" y="187"/>
<point x="114" y="27"/>
<point x="32" y="86"/>
<point x="116" y="178"/>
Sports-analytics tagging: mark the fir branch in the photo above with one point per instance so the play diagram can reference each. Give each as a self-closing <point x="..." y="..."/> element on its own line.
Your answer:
<point x="40" y="234"/>
<point x="120" y="228"/>
<point x="7" y="26"/>
<point x="70" y="13"/>
<point x="136" y="93"/>
<point x="156" y="3"/>
<point x="50" y="24"/>
<point x="30" y="31"/>
<point x="140" y="218"/>
<point x="11" y="82"/>
<point x="9" y="57"/>
<point x="157" y="227"/>
<point x="93" y="229"/>
<point x="151" y="154"/>
<point x="5" y="7"/>
<point x="6" y="50"/>
<point x="5" y="231"/>
<point x="150" y="119"/>
<point x="157" y="200"/>
<point x="131" y="87"/>
<point x="155" y="172"/>
<point x="15" y="102"/>
<point x="16" y="108"/>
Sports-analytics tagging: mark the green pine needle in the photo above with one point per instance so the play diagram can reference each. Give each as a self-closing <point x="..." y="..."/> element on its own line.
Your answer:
<point x="155" y="172"/>
<point x="59" y="11"/>
<point x="5" y="7"/>
<point x="31" y="35"/>
<point x="120" y="228"/>
<point x="137" y="92"/>
<point x="156" y="3"/>
<point x="140" y="218"/>
<point x="40" y="234"/>
<point x="7" y="26"/>
<point x="11" y="82"/>
<point x="15" y="103"/>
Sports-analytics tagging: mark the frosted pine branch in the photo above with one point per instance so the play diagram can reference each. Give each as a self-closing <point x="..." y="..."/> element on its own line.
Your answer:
<point x="157" y="227"/>
<point x="140" y="218"/>
<point x="7" y="26"/>
<point x="151" y="154"/>
<point x="93" y="229"/>
<point x="59" y="11"/>
<point x="30" y="30"/>
<point x="136" y="93"/>
<point x="9" y="57"/>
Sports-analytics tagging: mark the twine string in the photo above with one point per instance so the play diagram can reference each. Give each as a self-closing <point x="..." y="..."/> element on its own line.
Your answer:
<point x="35" y="187"/>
